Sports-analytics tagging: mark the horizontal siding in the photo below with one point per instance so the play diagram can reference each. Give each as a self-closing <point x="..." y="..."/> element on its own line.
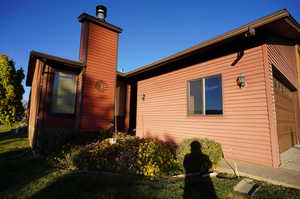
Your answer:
<point x="297" y="52"/>
<point x="286" y="124"/>
<point x="283" y="57"/>
<point x="243" y="129"/>
<point x="53" y="121"/>
<point x="97" y="106"/>
<point x="271" y="107"/>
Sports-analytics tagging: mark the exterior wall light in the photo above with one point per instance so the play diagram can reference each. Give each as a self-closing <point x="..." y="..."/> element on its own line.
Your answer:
<point x="241" y="80"/>
<point x="143" y="96"/>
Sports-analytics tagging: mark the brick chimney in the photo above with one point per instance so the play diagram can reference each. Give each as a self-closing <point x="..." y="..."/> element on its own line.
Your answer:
<point x="99" y="51"/>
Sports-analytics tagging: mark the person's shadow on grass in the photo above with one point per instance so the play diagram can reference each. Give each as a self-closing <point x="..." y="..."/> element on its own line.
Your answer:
<point x="196" y="165"/>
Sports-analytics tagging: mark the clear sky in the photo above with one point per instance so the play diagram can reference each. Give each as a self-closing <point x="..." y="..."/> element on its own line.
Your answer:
<point x="152" y="29"/>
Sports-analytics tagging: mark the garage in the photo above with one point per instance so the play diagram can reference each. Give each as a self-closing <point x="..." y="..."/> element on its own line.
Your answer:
<point x="285" y="101"/>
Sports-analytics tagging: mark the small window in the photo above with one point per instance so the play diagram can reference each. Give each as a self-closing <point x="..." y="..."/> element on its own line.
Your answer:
<point x="205" y="96"/>
<point x="64" y="93"/>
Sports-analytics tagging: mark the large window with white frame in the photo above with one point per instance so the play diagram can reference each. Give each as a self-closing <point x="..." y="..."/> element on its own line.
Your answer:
<point x="64" y="93"/>
<point x="205" y="96"/>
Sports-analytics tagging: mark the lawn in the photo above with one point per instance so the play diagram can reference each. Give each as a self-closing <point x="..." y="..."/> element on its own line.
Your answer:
<point x="25" y="176"/>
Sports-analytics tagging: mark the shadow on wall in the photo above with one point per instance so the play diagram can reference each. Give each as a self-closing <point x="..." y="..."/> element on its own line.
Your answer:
<point x="165" y="138"/>
<point x="97" y="106"/>
<point x="196" y="164"/>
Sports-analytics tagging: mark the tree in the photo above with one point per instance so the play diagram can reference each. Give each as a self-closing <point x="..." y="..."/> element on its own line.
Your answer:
<point x="11" y="91"/>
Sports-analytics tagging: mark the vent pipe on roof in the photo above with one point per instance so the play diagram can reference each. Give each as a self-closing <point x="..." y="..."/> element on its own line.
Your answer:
<point x="101" y="11"/>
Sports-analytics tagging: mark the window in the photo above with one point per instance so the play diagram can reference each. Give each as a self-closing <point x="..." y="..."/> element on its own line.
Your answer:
<point x="64" y="93"/>
<point x="205" y="96"/>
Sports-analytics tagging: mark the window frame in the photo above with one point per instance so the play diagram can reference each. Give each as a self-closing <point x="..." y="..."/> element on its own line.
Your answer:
<point x="54" y="88"/>
<point x="203" y="96"/>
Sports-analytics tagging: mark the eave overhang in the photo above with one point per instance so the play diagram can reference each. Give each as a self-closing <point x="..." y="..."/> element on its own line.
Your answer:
<point x="53" y="61"/>
<point x="280" y="23"/>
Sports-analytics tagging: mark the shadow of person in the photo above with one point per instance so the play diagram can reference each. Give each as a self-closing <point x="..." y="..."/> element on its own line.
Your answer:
<point x="197" y="164"/>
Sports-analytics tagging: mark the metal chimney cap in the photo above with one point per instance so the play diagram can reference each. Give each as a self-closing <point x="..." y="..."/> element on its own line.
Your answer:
<point x="101" y="12"/>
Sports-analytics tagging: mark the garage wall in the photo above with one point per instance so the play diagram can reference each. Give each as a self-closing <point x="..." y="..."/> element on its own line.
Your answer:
<point x="243" y="129"/>
<point x="297" y="51"/>
<point x="285" y="101"/>
<point x="283" y="58"/>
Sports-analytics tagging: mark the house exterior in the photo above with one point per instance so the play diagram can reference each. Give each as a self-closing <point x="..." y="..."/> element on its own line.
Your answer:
<point x="75" y="95"/>
<point x="240" y="89"/>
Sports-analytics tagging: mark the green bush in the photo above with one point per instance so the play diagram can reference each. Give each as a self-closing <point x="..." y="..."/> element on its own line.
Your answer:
<point x="130" y="155"/>
<point x="134" y="155"/>
<point x="65" y="157"/>
<point x="156" y="158"/>
<point x="209" y="147"/>
<point x="102" y="155"/>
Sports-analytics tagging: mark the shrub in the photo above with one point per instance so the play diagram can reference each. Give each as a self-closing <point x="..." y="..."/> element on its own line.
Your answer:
<point x="156" y="158"/>
<point x="209" y="147"/>
<point x="101" y="155"/>
<point x="65" y="158"/>
<point x="130" y="155"/>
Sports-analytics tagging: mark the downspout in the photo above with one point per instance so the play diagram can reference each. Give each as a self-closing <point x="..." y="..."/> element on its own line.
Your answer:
<point x="297" y="54"/>
<point x="115" y="94"/>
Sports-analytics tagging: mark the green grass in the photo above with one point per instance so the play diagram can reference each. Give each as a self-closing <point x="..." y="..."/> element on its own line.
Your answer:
<point x="24" y="176"/>
<point x="10" y="142"/>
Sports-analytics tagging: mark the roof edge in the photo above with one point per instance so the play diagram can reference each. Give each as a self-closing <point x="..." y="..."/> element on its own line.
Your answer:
<point x="233" y="33"/>
<point x="38" y="55"/>
<point x="55" y="58"/>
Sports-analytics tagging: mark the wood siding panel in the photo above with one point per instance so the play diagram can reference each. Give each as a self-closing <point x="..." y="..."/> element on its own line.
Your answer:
<point x="243" y="129"/>
<point x="52" y="121"/>
<point x="283" y="57"/>
<point x="34" y="104"/>
<point x="83" y="42"/>
<point x="97" y="108"/>
<point x="271" y="108"/>
<point x="297" y="52"/>
<point x="286" y="121"/>
<point x="120" y="105"/>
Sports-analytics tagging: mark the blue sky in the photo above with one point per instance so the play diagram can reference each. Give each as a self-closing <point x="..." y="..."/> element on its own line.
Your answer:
<point x="152" y="29"/>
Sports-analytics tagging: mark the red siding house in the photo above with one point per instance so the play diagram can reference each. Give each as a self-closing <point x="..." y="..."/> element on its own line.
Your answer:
<point x="240" y="89"/>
